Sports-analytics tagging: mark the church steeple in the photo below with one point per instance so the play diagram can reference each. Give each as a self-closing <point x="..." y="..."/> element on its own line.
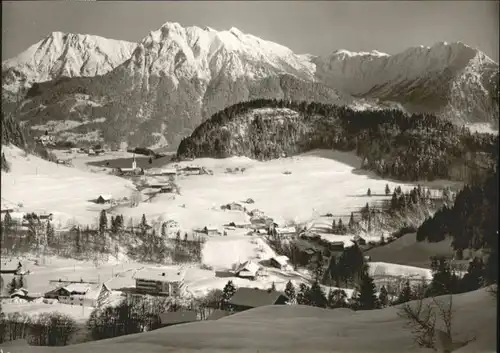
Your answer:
<point x="134" y="164"/>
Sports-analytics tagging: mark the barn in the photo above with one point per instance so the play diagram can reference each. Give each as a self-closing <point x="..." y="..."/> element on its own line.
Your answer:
<point x="249" y="298"/>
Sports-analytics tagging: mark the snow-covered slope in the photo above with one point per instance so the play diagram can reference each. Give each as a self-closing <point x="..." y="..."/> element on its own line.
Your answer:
<point x="63" y="55"/>
<point x="297" y="328"/>
<point x="451" y="79"/>
<point x="42" y="186"/>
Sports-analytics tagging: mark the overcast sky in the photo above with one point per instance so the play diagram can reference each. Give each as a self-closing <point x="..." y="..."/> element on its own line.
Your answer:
<point x="303" y="26"/>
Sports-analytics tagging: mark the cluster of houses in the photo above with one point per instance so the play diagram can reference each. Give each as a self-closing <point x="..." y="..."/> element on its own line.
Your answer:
<point x="22" y="219"/>
<point x="90" y="294"/>
<point x="46" y="140"/>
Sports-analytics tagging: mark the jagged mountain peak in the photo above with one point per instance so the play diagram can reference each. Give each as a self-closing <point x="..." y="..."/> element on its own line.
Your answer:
<point x="62" y="54"/>
<point x="206" y="52"/>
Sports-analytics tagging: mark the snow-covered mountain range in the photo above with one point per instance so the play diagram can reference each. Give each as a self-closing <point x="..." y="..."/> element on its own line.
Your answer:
<point x="63" y="55"/>
<point x="157" y="91"/>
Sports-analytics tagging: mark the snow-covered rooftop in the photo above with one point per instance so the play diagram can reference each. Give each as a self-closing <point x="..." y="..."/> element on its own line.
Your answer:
<point x="160" y="274"/>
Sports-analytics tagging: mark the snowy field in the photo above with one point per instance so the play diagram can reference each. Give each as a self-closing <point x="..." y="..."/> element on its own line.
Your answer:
<point x="320" y="182"/>
<point x="42" y="186"/>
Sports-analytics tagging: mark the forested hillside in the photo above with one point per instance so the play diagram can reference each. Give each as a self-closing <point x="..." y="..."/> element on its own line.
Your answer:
<point x="391" y="143"/>
<point x="472" y="221"/>
<point x="15" y="134"/>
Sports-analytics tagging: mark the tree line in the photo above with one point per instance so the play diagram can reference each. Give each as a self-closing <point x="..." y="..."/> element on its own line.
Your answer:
<point x="110" y="237"/>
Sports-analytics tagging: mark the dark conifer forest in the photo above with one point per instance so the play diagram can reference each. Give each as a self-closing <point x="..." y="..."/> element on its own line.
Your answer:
<point x="390" y="142"/>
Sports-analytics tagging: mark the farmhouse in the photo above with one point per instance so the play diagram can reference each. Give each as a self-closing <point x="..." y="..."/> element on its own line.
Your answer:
<point x="158" y="281"/>
<point x="280" y="262"/>
<point x="192" y="170"/>
<point x="47" y="217"/>
<point x="166" y="189"/>
<point x="233" y="206"/>
<point x="17" y="217"/>
<point x="359" y="240"/>
<point x="211" y="231"/>
<point x="83" y="294"/>
<point x="248" y="270"/>
<point x="177" y="317"/>
<point x="20" y="293"/>
<point x="261" y="222"/>
<point x="11" y="267"/>
<point x="286" y="231"/>
<point x="249" y="298"/>
<point x="104" y="198"/>
<point x="163" y="188"/>
<point x="161" y="171"/>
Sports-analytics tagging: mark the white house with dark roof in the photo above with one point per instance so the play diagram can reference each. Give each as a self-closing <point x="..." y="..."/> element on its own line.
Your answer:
<point x="160" y="281"/>
<point x="82" y="294"/>
<point x="248" y="269"/>
<point x="280" y="262"/>
<point x="104" y="198"/>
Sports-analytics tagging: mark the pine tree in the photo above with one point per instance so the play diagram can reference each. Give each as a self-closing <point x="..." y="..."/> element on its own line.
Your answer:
<point x="334" y="227"/>
<point x="351" y="221"/>
<point x="164" y="229"/>
<point x="303" y="295"/>
<point x="406" y="293"/>
<point x="316" y="296"/>
<point x="383" y="297"/>
<point x="335" y="270"/>
<point x="336" y="298"/>
<point x="12" y="287"/>
<point x="113" y="225"/>
<point x="144" y="223"/>
<point x="473" y="279"/>
<point x="340" y="227"/>
<point x="394" y="201"/>
<point x="290" y="291"/>
<point x="49" y="233"/>
<point x="387" y="190"/>
<point x="366" y="298"/>
<point x="273" y="287"/>
<point x="185" y="238"/>
<point x="150" y="161"/>
<point x="227" y="293"/>
<point x="103" y="222"/>
<point x="78" y="241"/>
<point x="369" y="192"/>
<point x="7" y="222"/>
<point x="320" y="263"/>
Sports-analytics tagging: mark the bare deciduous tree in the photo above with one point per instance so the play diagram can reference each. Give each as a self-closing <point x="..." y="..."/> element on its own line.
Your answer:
<point x="422" y="315"/>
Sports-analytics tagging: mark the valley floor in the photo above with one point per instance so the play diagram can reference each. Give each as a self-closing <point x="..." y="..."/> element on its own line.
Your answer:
<point x="315" y="183"/>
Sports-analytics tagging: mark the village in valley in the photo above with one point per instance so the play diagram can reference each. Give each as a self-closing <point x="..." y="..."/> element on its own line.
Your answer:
<point x="178" y="187"/>
<point x="147" y="244"/>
